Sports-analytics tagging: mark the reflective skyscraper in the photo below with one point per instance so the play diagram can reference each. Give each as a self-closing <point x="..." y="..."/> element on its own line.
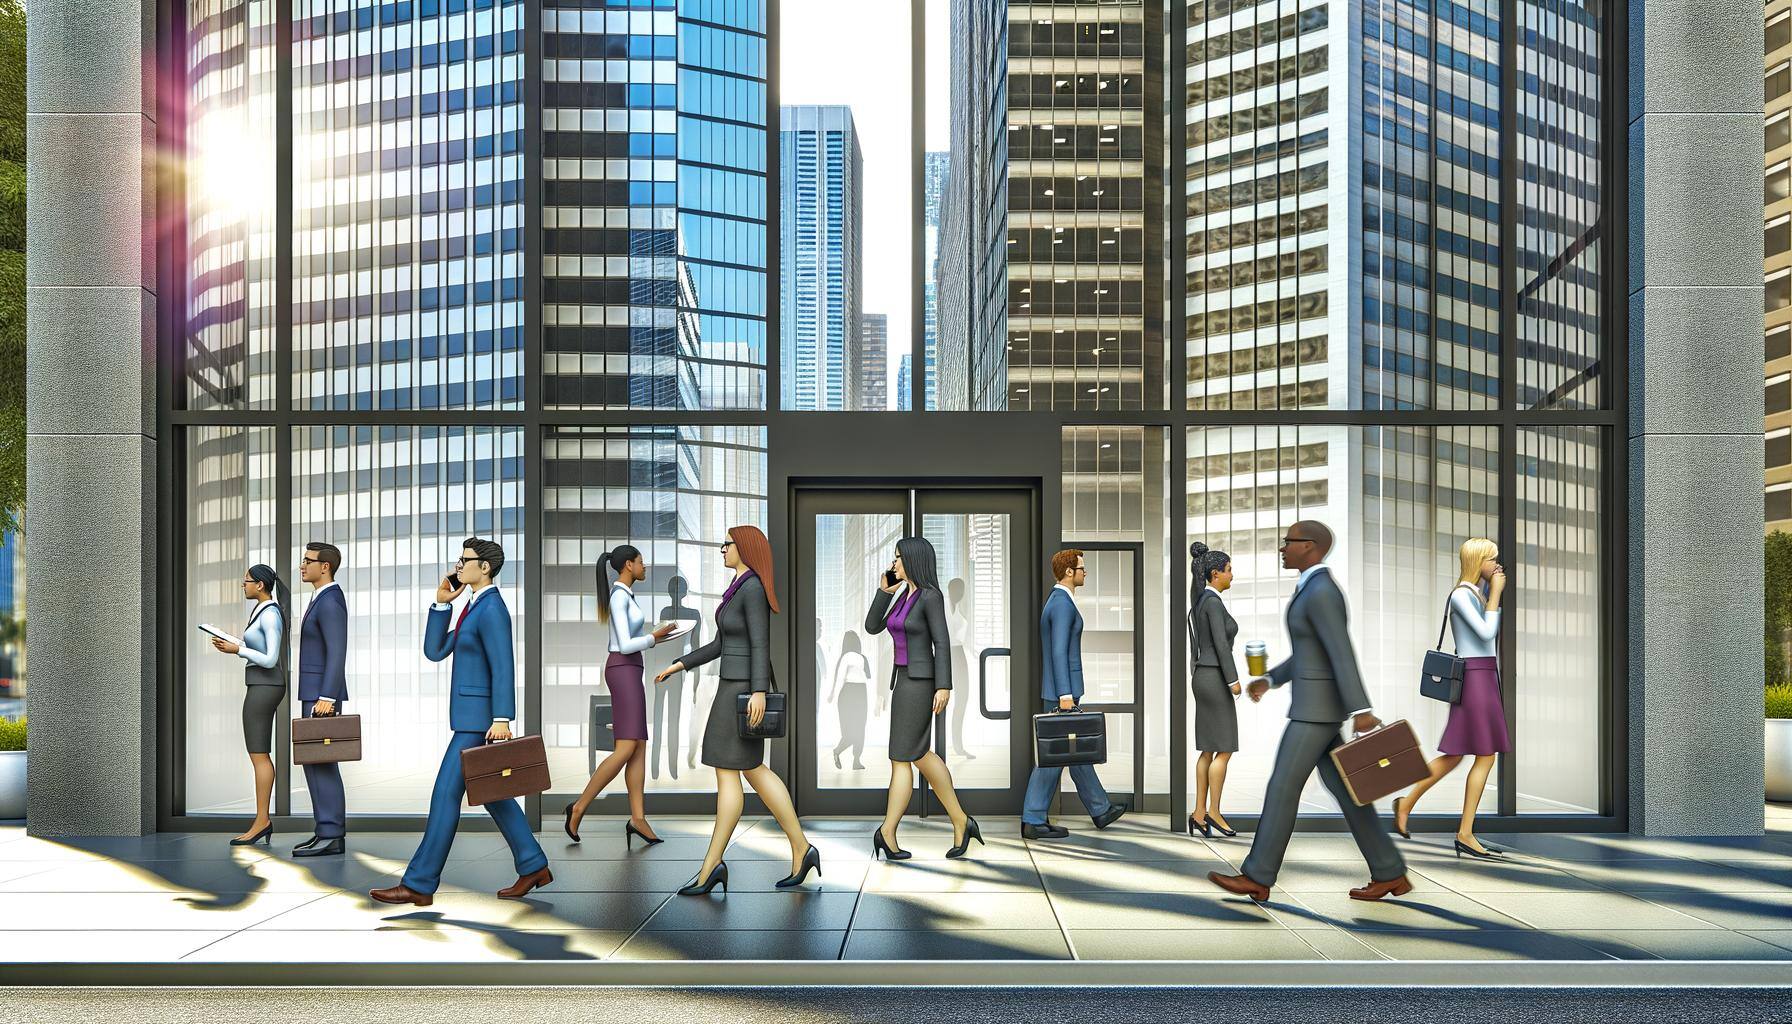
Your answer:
<point x="821" y="233"/>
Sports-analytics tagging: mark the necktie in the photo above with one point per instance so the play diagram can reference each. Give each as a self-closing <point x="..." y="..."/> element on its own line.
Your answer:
<point x="463" y="615"/>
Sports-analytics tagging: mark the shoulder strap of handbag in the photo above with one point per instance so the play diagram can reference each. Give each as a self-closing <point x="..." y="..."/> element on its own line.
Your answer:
<point x="1194" y="633"/>
<point x="1446" y="623"/>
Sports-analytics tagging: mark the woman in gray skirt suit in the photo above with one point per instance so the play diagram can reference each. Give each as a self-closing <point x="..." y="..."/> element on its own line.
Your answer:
<point x="743" y="643"/>
<point x="263" y="652"/>
<point x="910" y="607"/>
<point x="1211" y="631"/>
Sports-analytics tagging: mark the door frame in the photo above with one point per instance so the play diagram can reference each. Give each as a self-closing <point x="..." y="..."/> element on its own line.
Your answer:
<point x="1068" y="801"/>
<point x="911" y="499"/>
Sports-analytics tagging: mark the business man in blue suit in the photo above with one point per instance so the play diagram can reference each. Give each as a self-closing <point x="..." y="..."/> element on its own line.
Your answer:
<point x="480" y="707"/>
<point x="323" y="688"/>
<point x="1061" y="688"/>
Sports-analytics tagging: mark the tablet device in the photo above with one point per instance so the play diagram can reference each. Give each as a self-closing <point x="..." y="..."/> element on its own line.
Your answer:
<point x="220" y="634"/>
<point x="679" y="629"/>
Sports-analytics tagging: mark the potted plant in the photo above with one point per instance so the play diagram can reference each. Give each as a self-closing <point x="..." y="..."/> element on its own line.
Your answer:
<point x="1779" y="742"/>
<point x="12" y="769"/>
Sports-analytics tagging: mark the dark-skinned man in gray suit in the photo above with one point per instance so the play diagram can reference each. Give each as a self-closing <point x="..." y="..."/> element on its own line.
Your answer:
<point x="1327" y="690"/>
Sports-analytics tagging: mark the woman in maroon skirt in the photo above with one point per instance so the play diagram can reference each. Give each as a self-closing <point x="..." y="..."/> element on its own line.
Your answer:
<point x="1477" y="725"/>
<point x="628" y="699"/>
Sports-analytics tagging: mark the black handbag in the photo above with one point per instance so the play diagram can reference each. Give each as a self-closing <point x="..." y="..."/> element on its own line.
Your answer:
<point x="1440" y="678"/>
<point x="1065" y="738"/>
<point x="771" y="727"/>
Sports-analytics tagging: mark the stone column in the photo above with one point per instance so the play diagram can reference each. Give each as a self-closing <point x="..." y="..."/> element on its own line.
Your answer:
<point x="91" y="426"/>
<point x="1695" y="417"/>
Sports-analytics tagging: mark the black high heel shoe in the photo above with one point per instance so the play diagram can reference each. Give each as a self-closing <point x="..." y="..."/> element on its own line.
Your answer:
<point x="1223" y="830"/>
<point x="1462" y="848"/>
<point x="1404" y="834"/>
<point x="878" y="845"/>
<point x="971" y="831"/>
<point x="811" y="862"/>
<point x="629" y="832"/>
<point x="265" y="837"/>
<point x="1206" y="828"/>
<point x="719" y="876"/>
<point x="570" y="834"/>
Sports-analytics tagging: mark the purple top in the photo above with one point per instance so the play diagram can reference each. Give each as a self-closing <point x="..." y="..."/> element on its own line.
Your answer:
<point x="726" y="594"/>
<point x="897" y="618"/>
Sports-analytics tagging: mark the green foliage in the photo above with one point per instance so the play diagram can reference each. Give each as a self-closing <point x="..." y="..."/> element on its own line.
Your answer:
<point x="12" y="735"/>
<point x="12" y="81"/>
<point x="1779" y="701"/>
<point x="1778" y="607"/>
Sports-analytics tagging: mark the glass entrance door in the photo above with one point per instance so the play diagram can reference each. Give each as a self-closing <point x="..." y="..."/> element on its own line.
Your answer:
<point x="983" y="540"/>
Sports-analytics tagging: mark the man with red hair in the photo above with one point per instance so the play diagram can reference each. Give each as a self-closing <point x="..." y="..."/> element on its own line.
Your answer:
<point x="1061" y="687"/>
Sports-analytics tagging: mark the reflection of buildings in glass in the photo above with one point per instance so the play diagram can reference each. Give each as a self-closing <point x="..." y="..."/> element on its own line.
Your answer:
<point x="230" y="252"/>
<point x="868" y="365"/>
<point x="821" y="235"/>
<point x="905" y="384"/>
<point x="934" y="190"/>
<point x="408" y="210"/>
<point x="653" y="208"/>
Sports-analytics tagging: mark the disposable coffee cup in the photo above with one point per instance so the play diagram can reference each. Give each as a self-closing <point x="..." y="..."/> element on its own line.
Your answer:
<point x="1256" y="657"/>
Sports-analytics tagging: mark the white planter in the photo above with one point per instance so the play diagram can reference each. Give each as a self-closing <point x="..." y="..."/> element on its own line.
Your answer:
<point x="12" y="784"/>
<point x="1779" y="758"/>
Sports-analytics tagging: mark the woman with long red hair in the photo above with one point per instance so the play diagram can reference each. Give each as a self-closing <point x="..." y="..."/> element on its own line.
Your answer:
<point x="743" y="643"/>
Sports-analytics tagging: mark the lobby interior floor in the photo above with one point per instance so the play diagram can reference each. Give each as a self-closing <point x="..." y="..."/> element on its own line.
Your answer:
<point x="1133" y="892"/>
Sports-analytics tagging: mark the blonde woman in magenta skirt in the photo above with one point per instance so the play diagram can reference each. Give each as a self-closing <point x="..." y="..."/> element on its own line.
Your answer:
<point x="1477" y="724"/>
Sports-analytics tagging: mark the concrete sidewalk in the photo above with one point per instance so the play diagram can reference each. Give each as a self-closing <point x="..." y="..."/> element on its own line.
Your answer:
<point x="1132" y="893"/>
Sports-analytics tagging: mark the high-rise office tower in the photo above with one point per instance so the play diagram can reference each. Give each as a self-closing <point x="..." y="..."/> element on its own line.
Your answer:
<point x="934" y="192"/>
<point x="820" y="240"/>
<point x="905" y="381"/>
<point x="1059" y="113"/>
<point x="1777" y="241"/>
<point x="868" y="365"/>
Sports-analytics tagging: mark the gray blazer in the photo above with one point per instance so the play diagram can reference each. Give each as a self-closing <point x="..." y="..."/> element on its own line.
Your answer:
<point x="929" y="645"/>
<point x="743" y="638"/>
<point x="1322" y="665"/>
<point x="1212" y="630"/>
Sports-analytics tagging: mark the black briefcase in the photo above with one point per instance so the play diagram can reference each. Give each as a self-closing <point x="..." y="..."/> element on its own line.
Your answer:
<point x="771" y="727"/>
<point x="1064" y="738"/>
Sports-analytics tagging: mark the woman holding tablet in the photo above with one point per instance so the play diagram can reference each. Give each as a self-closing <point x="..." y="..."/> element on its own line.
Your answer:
<point x="263" y="648"/>
<point x="628" y="698"/>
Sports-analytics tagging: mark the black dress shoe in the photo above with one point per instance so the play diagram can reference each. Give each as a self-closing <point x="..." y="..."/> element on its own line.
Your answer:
<point x="324" y="848"/>
<point x="1045" y="831"/>
<point x="1111" y="815"/>
<point x="309" y="843"/>
<point x="265" y="837"/>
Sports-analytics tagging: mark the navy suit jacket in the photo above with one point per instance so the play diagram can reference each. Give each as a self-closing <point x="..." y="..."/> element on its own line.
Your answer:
<point x="323" y="648"/>
<point x="1061" y="642"/>
<point x="484" y="674"/>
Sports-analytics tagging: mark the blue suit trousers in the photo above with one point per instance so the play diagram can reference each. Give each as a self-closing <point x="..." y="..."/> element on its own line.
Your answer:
<point x="1042" y="785"/>
<point x="424" y="874"/>
<point x="324" y="782"/>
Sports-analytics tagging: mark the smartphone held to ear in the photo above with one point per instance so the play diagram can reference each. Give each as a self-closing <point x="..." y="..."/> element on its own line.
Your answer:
<point x="889" y="577"/>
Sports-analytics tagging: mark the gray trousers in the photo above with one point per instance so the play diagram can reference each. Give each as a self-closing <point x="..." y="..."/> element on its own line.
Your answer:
<point x="1305" y="746"/>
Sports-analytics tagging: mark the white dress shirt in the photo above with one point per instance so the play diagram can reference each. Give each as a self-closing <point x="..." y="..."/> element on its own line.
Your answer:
<point x="1477" y="629"/>
<point x="261" y="641"/>
<point x="628" y="626"/>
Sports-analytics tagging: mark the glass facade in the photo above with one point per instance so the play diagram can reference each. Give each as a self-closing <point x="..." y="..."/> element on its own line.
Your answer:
<point x="536" y="295"/>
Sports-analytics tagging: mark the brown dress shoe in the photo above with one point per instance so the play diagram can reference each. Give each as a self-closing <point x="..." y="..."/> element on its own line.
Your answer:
<point x="527" y="883"/>
<point x="1376" y="890"/>
<point x="401" y="894"/>
<point x="1242" y="885"/>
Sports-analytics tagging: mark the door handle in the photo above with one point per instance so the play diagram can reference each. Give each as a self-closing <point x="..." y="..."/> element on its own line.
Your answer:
<point x="983" y="683"/>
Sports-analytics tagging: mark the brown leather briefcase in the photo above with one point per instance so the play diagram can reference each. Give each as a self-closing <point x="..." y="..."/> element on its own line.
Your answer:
<point x="1381" y="762"/>
<point x="326" y="739"/>
<point x="502" y="771"/>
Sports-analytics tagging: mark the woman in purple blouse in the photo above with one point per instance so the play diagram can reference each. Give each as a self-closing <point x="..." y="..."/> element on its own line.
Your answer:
<point x="909" y="605"/>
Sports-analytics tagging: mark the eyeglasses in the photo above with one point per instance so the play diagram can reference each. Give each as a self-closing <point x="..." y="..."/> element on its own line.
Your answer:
<point x="1295" y="540"/>
<point x="1081" y="568"/>
<point x="308" y="560"/>
<point x="725" y="545"/>
<point x="459" y="562"/>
